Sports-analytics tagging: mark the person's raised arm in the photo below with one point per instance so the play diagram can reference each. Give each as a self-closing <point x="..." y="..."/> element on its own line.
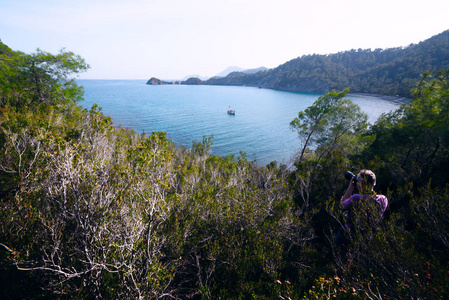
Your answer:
<point x="348" y="193"/>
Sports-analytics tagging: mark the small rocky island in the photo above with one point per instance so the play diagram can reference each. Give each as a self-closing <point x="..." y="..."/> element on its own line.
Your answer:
<point x="156" y="81"/>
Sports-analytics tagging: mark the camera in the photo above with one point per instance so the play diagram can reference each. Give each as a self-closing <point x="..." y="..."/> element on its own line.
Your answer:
<point x="350" y="176"/>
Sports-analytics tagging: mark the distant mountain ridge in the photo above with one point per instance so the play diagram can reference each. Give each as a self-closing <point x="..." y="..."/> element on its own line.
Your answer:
<point x="225" y="73"/>
<point x="393" y="71"/>
<point x="253" y="71"/>
<point x="229" y="70"/>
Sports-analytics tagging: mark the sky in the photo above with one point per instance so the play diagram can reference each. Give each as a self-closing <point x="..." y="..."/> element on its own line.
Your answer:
<point x="171" y="39"/>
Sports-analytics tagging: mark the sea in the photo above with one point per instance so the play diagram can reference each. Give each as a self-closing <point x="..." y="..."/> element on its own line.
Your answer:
<point x="260" y="127"/>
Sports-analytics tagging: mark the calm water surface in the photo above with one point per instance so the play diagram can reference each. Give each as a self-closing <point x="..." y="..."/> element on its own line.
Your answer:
<point x="260" y="127"/>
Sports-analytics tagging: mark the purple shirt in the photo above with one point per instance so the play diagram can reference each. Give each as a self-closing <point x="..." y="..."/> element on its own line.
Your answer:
<point x="353" y="201"/>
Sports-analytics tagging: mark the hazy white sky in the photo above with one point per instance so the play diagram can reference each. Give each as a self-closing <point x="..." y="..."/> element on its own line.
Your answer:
<point x="169" y="39"/>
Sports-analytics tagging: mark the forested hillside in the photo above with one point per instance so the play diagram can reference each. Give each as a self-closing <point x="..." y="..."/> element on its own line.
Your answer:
<point x="89" y="210"/>
<point x="391" y="72"/>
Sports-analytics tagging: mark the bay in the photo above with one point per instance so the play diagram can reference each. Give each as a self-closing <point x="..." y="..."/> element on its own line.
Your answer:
<point x="260" y="127"/>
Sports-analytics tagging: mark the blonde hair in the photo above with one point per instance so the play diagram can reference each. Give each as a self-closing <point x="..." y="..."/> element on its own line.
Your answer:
<point x="367" y="177"/>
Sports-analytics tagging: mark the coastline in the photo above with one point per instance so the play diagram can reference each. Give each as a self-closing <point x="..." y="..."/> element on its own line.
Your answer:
<point x="155" y="81"/>
<point x="395" y="99"/>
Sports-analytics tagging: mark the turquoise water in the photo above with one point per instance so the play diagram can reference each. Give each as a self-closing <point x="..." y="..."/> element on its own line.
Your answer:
<point x="260" y="127"/>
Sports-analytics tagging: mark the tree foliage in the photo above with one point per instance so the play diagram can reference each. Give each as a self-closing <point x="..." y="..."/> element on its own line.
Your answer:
<point x="41" y="77"/>
<point x="412" y="142"/>
<point x="328" y="124"/>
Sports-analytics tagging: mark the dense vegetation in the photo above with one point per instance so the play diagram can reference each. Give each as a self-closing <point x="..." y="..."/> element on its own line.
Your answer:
<point x="89" y="210"/>
<point x="393" y="71"/>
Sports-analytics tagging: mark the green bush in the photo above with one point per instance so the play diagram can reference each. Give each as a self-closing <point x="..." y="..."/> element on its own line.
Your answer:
<point x="89" y="210"/>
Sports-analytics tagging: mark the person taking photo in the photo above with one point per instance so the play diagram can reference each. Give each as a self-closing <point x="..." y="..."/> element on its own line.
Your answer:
<point x="365" y="208"/>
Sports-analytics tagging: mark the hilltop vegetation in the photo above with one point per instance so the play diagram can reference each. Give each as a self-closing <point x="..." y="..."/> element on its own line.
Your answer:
<point x="392" y="72"/>
<point x="89" y="210"/>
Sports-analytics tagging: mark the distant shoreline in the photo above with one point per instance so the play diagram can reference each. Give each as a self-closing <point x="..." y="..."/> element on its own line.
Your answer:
<point x="396" y="99"/>
<point x="196" y="81"/>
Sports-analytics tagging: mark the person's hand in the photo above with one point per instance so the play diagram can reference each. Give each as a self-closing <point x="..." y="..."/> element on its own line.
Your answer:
<point x="352" y="185"/>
